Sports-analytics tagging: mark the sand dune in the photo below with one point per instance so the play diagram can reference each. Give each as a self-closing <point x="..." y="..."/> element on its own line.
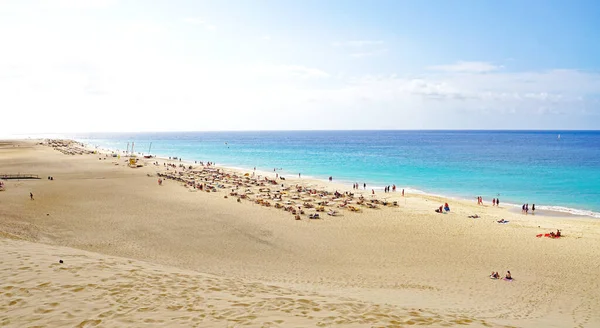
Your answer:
<point x="90" y="289"/>
<point x="388" y="260"/>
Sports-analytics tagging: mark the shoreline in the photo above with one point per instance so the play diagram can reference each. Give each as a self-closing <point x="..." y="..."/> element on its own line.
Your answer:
<point x="547" y="210"/>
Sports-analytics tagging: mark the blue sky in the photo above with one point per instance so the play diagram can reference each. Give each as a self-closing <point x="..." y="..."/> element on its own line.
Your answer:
<point x="116" y="65"/>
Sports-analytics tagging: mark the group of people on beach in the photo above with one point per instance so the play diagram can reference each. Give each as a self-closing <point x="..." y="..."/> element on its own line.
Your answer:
<point x="496" y="275"/>
<point x="525" y="209"/>
<point x="356" y="186"/>
<point x="443" y="208"/>
<point x="386" y="189"/>
<point x="495" y="201"/>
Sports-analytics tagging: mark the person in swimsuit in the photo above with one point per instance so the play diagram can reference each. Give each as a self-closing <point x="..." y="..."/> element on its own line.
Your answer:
<point x="533" y="209"/>
<point x="497" y="201"/>
<point x="508" y="276"/>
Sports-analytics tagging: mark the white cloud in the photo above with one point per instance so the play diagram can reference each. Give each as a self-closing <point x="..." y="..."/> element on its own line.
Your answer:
<point x="199" y="22"/>
<point x="266" y="37"/>
<point x="368" y="53"/>
<point x="357" y="43"/>
<point x="79" y="4"/>
<point x="467" y="67"/>
<point x="287" y="71"/>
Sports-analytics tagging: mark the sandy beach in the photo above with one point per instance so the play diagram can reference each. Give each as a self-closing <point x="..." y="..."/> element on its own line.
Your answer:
<point x="139" y="254"/>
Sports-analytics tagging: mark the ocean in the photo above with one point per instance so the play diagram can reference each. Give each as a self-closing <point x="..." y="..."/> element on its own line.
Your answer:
<point x="535" y="167"/>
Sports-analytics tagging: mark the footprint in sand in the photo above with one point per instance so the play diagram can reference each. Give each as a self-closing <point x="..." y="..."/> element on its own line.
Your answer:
<point x="89" y="323"/>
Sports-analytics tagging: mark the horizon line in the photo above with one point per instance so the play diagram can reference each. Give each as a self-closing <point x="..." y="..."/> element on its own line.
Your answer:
<point x="316" y="130"/>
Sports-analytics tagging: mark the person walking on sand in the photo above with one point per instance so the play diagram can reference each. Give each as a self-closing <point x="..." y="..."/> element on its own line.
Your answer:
<point x="494" y="202"/>
<point x="497" y="202"/>
<point x="402" y="192"/>
<point x="533" y="209"/>
<point x="365" y="185"/>
<point x="31" y="196"/>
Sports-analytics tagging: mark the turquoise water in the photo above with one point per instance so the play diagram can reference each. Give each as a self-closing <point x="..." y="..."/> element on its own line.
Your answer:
<point x="516" y="166"/>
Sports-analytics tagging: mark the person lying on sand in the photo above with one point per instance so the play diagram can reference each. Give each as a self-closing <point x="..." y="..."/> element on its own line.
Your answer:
<point x="555" y="235"/>
<point x="440" y="210"/>
<point x="495" y="275"/>
<point x="474" y="216"/>
<point x="501" y="221"/>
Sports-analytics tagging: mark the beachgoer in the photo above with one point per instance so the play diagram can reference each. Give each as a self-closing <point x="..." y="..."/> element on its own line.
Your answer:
<point x="372" y="191"/>
<point x="494" y="202"/>
<point x="523" y="209"/>
<point x="557" y="233"/>
<point x="402" y="192"/>
<point x="298" y="175"/>
<point x="31" y="196"/>
<point x="532" y="209"/>
<point x="508" y="276"/>
<point x="497" y="202"/>
<point x="365" y="186"/>
<point x="446" y="207"/>
<point x="526" y="209"/>
<point x="394" y="188"/>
